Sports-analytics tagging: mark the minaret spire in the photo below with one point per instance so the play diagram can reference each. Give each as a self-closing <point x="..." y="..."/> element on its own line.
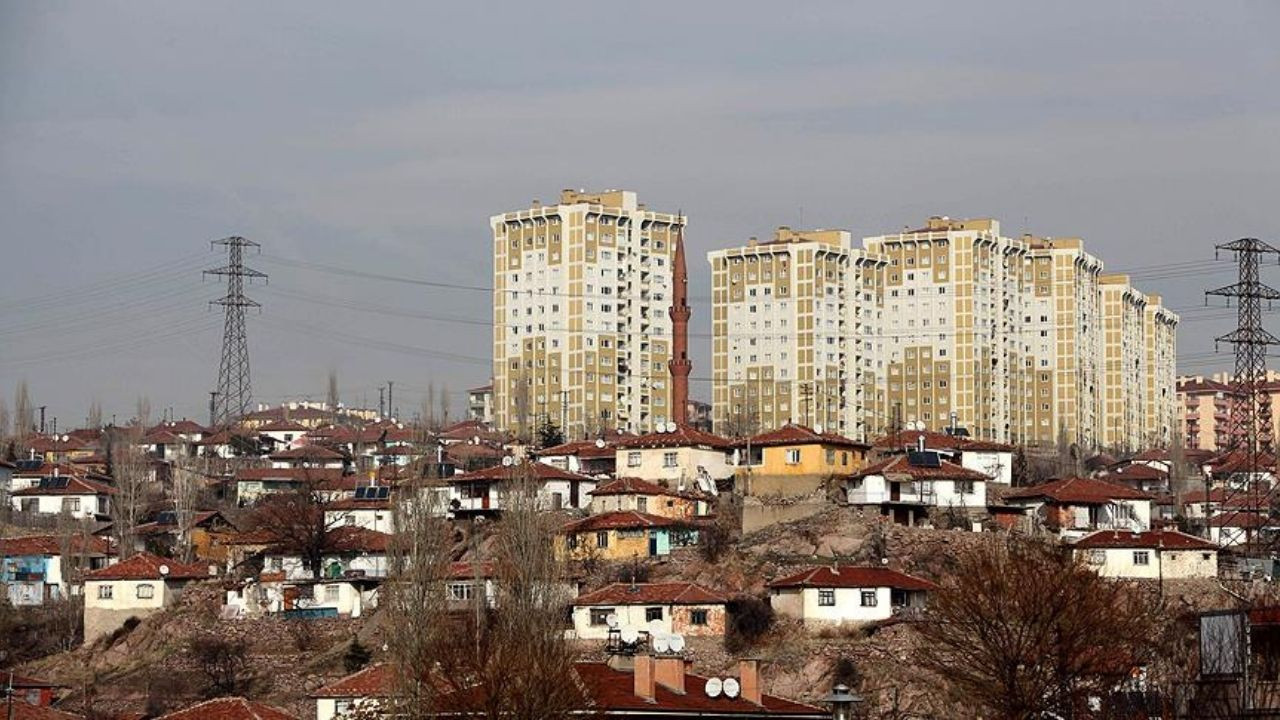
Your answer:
<point x="679" y="365"/>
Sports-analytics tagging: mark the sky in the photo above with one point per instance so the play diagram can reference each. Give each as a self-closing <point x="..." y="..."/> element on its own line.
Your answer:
<point x="380" y="137"/>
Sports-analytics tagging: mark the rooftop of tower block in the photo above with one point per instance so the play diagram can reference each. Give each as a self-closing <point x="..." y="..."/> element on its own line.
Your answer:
<point x="785" y="234"/>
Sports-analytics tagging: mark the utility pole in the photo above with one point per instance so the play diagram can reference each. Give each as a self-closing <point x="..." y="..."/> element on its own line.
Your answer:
<point x="42" y="419"/>
<point x="564" y="414"/>
<point x="213" y="408"/>
<point x="1250" y="438"/>
<point x="234" y="389"/>
<point x="382" y="403"/>
<point x="391" y="408"/>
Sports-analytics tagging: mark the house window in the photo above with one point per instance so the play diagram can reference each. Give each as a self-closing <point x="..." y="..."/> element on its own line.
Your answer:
<point x="633" y="459"/>
<point x="1141" y="557"/>
<point x="106" y="592"/>
<point x="331" y="593"/>
<point x="343" y="706"/>
<point x="964" y="487"/>
<point x="1097" y="557"/>
<point x="461" y="591"/>
<point x="668" y="459"/>
<point x="831" y="457"/>
<point x="602" y="538"/>
<point x="826" y="598"/>
<point x="71" y="505"/>
<point x="642" y="504"/>
<point x="697" y="617"/>
<point x="653" y="613"/>
<point x="146" y="591"/>
<point x="793" y="456"/>
<point x="600" y="616"/>
<point x="868" y="598"/>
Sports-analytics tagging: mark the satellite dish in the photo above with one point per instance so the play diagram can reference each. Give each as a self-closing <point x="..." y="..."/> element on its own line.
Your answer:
<point x="629" y="635"/>
<point x="676" y="642"/>
<point x="661" y="644"/>
<point x="731" y="687"/>
<point x="612" y="620"/>
<point x="507" y="461"/>
<point x="655" y="627"/>
<point x="65" y="438"/>
<point x="817" y="427"/>
<point x="164" y="569"/>
<point x="671" y="427"/>
<point x="599" y="442"/>
<point x="714" y="686"/>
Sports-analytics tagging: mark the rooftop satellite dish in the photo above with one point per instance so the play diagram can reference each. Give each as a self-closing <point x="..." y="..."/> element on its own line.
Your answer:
<point x="661" y="644"/>
<point x="655" y="627"/>
<point x="164" y="569"/>
<point x="731" y="687"/>
<point x="599" y="442"/>
<point x="629" y="635"/>
<point x="65" y="438"/>
<point x="714" y="686"/>
<point x="676" y="642"/>
<point x="671" y="427"/>
<point x="507" y="461"/>
<point x="612" y="620"/>
<point x="817" y="427"/>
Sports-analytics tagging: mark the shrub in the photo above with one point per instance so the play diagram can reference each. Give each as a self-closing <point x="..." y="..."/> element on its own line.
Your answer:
<point x="356" y="656"/>
<point x="749" y="618"/>
<point x="223" y="662"/>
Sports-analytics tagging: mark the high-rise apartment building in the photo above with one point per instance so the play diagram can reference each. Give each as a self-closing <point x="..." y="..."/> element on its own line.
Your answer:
<point x="581" y="332"/>
<point x="954" y="292"/>
<point x="1063" y="333"/>
<point x="795" y="326"/>
<point x="1160" y="328"/>
<point x="1124" y="376"/>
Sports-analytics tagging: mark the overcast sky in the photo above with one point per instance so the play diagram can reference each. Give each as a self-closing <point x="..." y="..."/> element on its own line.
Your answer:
<point x="381" y="136"/>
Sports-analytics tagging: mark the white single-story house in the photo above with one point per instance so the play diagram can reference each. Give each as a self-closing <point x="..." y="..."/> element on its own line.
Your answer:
<point x="844" y="594"/>
<point x="1152" y="554"/>
<point x="674" y="607"/>
<point x="137" y="587"/>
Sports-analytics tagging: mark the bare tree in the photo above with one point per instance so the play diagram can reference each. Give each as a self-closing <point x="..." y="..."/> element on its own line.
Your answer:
<point x="186" y="491"/>
<point x="4" y="419"/>
<point x="415" y="600"/>
<point x="131" y="475"/>
<point x="94" y="418"/>
<point x="429" y="407"/>
<point x="333" y="390"/>
<point x="74" y="540"/>
<point x="445" y="404"/>
<point x="142" y="412"/>
<point x="1021" y="629"/>
<point x="297" y="519"/>
<point x="24" y="413"/>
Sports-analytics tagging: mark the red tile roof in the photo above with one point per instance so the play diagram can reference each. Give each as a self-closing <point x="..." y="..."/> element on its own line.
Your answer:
<point x="51" y="545"/>
<point x="182" y="427"/>
<point x="684" y="436"/>
<point x="613" y="691"/>
<point x="937" y="441"/>
<point x="281" y="426"/>
<point x="75" y="486"/>
<point x="901" y="465"/>
<point x="580" y="448"/>
<point x="537" y="470"/>
<point x="373" y="681"/>
<point x="145" y="566"/>
<point x="308" y="452"/>
<point x="852" y="577"/>
<point x="1216" y="495"/>
<point x="26" y="711"/>
<point x="352" y="538"/>
<point x="793" y="434"/>
<point x="228" y="709"/>
<point x="1166" y="539"/>
<point x="1085" y="491"/>
<point x="631" y="486"/>
<point x="1137" y="472"/>
<point x="1239" y="520"/>
<point x="618" y="520"/>
<point x="351" y="503"/>
<point x="302" y="474"/>
<point x="671" y="593"/>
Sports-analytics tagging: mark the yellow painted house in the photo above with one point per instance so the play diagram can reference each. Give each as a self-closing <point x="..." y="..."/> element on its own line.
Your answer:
<point x="624" y="535"/>
<point x="795" y="460"/>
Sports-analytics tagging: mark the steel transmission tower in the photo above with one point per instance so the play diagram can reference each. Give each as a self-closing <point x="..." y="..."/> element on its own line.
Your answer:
<point x="1250" y="427"/>
<point x="233" y="394"/>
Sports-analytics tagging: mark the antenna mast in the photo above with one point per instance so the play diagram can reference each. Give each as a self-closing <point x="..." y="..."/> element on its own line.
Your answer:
<point x="234" y="393"/>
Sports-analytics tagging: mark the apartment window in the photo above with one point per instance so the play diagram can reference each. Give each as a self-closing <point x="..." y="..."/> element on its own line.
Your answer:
<point x="652" y="613"/>
<point x="793" y="456"/>
<point x="826" y="598"/>
<point x="868" y="598"/>
<point x="146" y="591"/>
<point x="669" y="459"/>
<point x="1141" y="557"/>
<point x="602" y="538"/>
<point x="106" y="592"/>
<point x="600" y="616"/>
<point x="698" y="617"/>
<point x="633" y="459"/>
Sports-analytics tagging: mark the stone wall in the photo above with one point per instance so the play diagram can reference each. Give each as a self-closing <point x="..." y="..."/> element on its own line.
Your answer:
<point x="759" y="513"/>
<point x="99" y="622"/>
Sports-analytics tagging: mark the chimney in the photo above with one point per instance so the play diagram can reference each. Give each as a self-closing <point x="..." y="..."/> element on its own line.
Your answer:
<point x="644" y="678"/>
<point x="749" y="679"/>
<point x="669" y="673"/>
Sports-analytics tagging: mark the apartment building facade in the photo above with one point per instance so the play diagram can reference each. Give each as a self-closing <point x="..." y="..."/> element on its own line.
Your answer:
<point x="796" y="334"/>
<point x="1124" y="377"/>
<point x="954" y="296"/>
<point x="581" y="333"/>
<point x="1160" y="330"/>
